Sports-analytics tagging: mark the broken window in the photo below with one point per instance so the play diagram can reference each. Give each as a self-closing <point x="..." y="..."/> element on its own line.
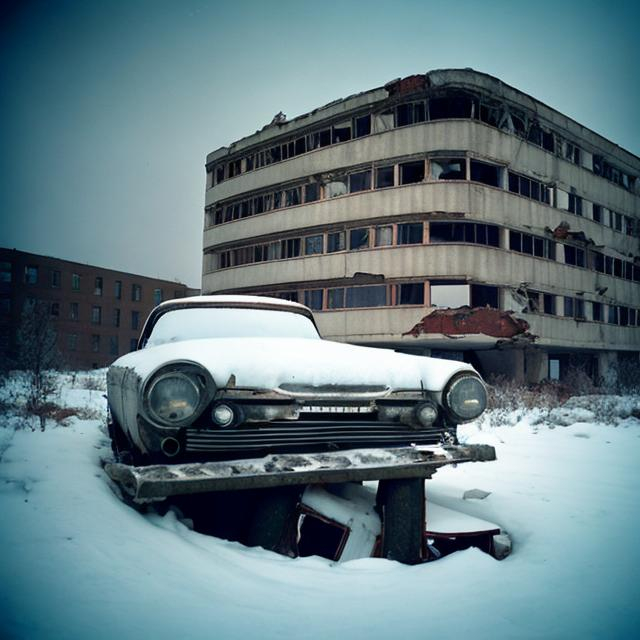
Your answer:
<point x="300" y="146"/>
<point x="613" y="316"/>
<point x="6" y="271"/>
<point x="291" y="248"/>
<point x="476" y="233"/>
<point x="597" y="213"/>
<point x="359" y="239"/>
<point x="313" y="244"/>
<point x="571" y="152"/>
<point x="335" y="241"/>
<point x="574" y="256"/>
<point x="384" y="177"/>
<point x="410" y="293"/>
<point x="341" y="132"/>
<point x="575" y="203"/>
<point x="486" y="173"/>
<point x="624" y="316"/>
<point x="260" y="253"/>
<point x="412" y="172"/>
<point x="384" y="235"/>
<point x="219" y="173"/>
<point x="617" y="221"/>
<point x="448" y="169"/>
<point x="319" y="139"/>
<point x="568" y="307"/>
<point x="337" y="187"/>
<point x="410" y="233"/>
<point x="533" y="300"/>
<point x="617" y="267"/>
<point x="538" y="136"/>
<point x="384" y="121"/>
<point x="277" y="199"/>
<point x="629" y="226"/>
<point x="489" y="114"/>
<point x="97" y="289"/>
<point x="529" y="188"/>
<point x="311" y="192"/>
<point x="370" y="296"/>
<point x="452" y="106"/>
<point x="362" y="126"/>
<point x="360" y="181"/>
<point x="31" y="274"/>
<point x="292" y="197"/>
<point x="410" y="113"/>
<point x="484" y="296"/>
<point x="532" y="245"/>
<point x="549" y="302"/>
<point x="450" y="294"/>
<point x="335" y="298"/>
<point x="596" y="311"/>
<point x="313" y="299"/>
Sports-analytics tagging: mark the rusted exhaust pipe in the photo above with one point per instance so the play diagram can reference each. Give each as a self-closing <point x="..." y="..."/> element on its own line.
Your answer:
<point x="170" y="447"/>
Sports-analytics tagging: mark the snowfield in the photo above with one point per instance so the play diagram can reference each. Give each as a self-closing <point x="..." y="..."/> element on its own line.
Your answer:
<point x="77" y="563"/>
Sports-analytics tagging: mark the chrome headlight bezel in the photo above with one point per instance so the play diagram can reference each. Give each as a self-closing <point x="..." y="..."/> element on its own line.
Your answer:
<point x="197" y="383"/>
<point x="460" y="408"/>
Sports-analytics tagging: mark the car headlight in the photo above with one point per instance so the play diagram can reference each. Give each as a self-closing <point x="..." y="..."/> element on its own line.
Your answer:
<point x="465" y="397"/>
<point x="173" y="397"/>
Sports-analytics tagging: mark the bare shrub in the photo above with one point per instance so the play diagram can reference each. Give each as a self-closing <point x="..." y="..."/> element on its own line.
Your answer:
<point x="508" y="400"/>
<point x="38" y="356"/>
<point x="93" y="382"/>
<point x="579" y="383"/>
<point x="625" y="379"/>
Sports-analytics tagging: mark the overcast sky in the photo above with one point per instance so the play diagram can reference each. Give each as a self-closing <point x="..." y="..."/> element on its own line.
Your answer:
<point x="110" y="108"/>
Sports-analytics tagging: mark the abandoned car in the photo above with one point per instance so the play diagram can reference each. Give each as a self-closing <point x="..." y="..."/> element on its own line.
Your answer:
<point x="233" y="377"/>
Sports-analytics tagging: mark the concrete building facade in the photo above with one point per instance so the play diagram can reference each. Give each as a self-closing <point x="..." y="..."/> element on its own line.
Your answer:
<point x="97" y="313"/>
<point x="445" y="212"/>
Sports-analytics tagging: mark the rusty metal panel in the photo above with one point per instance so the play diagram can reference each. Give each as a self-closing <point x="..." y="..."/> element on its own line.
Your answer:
<point x="464" y="320"/>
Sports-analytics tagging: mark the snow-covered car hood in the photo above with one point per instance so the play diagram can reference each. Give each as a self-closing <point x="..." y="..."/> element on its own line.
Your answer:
<point x="268" y="363"/>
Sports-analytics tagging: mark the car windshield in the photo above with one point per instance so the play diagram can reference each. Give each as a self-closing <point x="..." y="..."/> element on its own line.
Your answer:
<point x="217" y="322"/>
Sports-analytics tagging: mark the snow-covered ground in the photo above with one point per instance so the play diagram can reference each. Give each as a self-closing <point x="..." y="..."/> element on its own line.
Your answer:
<point x="75" y="562"/>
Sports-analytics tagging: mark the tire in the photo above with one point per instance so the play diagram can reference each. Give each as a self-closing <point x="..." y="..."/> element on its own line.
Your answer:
<point x="401" y="503"/>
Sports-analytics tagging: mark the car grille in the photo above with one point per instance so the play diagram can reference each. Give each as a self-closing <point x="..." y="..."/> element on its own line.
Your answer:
<point x="308" y="435"/>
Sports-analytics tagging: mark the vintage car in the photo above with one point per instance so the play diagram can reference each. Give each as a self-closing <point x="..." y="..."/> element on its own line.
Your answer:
<point x="220" y="378"/>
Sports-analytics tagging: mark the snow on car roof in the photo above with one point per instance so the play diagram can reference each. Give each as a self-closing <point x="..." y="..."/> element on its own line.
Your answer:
<point x="233" y="300"/>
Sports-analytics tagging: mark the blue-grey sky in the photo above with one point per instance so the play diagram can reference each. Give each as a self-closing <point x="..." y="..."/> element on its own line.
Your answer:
<point x="109" y="108"/>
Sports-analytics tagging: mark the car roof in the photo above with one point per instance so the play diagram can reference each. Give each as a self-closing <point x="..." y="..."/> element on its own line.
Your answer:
<point x="225" y="301"/>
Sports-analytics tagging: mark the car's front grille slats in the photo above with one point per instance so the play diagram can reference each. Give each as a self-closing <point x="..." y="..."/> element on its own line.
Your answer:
<point x="308" y="434"/>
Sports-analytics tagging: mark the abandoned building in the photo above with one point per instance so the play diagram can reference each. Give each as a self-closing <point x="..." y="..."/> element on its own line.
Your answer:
<point x="446" y="214"/>
<point x="96" y="313"/>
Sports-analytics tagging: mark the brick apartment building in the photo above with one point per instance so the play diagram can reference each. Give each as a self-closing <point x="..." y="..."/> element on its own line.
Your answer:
<point x="97" y="313"/>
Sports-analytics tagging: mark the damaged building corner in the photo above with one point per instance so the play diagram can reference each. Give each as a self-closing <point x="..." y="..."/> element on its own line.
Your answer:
<point x="540" y="217"/>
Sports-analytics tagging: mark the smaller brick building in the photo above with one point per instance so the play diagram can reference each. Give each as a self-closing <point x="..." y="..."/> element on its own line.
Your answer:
<point x="97" y="313"/>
